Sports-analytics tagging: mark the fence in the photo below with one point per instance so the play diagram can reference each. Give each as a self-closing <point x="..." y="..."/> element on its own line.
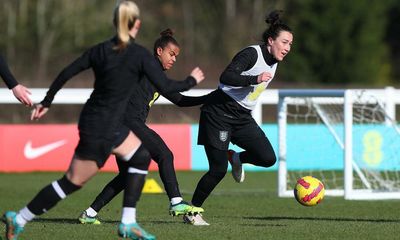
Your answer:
<point x="27" y="138"/>
<point x="390" y="95"/>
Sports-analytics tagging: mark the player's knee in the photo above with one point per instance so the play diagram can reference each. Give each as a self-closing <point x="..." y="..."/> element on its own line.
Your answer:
<point x="268" y="160"/>
<point x="76" y="179"/>
<point x="141" y="159"/>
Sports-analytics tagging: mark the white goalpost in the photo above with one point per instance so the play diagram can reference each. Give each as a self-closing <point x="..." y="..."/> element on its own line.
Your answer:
<point x="346" y="138"/>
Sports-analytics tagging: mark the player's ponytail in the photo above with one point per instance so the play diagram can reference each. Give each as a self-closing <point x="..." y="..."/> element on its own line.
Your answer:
<point x="162" y="42"/>
<point x="125" y="15"/>
<point x="275" y="25"/>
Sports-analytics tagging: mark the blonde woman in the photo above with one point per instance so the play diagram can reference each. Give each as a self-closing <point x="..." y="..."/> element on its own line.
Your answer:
<point x="118" y="64"/>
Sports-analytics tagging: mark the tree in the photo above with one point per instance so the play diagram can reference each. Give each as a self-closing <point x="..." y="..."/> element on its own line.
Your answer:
<point x="338" y="42"/>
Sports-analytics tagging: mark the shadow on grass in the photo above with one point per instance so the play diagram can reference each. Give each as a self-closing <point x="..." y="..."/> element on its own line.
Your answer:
<point x="272" y="218"/>
<point x="75" y="221"/>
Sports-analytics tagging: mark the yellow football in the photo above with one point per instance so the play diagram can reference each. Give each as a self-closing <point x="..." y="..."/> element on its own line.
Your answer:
<point x="309" y="191"/>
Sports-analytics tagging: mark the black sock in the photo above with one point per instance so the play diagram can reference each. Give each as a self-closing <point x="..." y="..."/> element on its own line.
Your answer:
<point x="135" y="177"/>
<point x="50" y="195"/>
<point x="133" y="190"/>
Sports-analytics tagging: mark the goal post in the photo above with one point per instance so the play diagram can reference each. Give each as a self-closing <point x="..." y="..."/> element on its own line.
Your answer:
<point x="346" y="138"/>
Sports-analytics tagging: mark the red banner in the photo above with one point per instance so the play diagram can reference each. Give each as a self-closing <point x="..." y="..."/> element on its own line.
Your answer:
<point x="26" y="148"/>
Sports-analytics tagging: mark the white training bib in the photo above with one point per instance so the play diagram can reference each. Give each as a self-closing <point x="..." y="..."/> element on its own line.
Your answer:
<point x="247" y="96"/>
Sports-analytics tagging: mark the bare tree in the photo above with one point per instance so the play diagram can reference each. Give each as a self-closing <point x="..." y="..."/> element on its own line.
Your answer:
<point x="48" y="25"/>
<point x="189" y="28"/>
<point x="230" y="9"/>
<point x="10" y="12"/>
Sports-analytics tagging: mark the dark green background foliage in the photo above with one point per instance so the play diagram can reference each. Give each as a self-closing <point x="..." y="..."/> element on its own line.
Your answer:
<point x="337" y="43"/>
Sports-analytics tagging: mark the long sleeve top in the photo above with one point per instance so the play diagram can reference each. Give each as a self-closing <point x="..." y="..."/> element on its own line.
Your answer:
<point x="144" y="96"/>
<point x="6" y="74"/>
<point x="117" y="74"/>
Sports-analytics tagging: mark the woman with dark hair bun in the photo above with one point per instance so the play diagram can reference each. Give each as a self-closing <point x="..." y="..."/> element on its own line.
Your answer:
<point x="166" y="49"/>
<point x="226" y="115"/>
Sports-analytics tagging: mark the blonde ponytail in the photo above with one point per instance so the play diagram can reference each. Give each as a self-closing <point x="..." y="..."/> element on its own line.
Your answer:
<point x="125" y="15"/>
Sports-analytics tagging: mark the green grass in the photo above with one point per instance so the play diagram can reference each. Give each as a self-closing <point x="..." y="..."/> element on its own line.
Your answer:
<point x="250" y="210"/>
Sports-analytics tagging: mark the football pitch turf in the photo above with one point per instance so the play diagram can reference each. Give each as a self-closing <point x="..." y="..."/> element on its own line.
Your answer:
<point x="250" y="210"/>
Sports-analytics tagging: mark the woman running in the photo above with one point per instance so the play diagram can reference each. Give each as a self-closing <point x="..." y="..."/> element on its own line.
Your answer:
<point x="226" y="115"/>
<point x="118" y="64"/>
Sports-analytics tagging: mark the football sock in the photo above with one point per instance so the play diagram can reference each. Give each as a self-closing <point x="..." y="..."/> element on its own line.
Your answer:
<point x="50" y="195"/>
<point x="134" y="185"/>
<point x="24" y="216"/>
<point x="134" y="182"/>
<point x="176" y="200"/>
<point x="128" y="215"/>
<point x="90" y="212"/>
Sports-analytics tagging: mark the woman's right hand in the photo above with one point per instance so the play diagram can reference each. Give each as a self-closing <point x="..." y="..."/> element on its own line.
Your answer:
<point x="38" y="111"/>
<point x="197" y="74"/>
<point x="264" y="77"/>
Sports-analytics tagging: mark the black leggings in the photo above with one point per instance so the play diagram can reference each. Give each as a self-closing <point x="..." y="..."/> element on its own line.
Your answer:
<point x="258" y="151"/>
<point x="159" y="152"/>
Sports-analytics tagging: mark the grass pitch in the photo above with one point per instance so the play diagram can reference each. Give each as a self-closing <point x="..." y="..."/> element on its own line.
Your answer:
<point x="250" y="210"/>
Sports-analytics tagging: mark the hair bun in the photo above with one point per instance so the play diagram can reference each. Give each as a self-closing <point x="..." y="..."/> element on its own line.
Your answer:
<point x="167" y="33"/>
<point x="274" y="17"/>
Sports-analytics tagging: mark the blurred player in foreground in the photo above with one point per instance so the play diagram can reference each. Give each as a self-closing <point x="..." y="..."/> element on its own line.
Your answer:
<point x="118" y="64"/>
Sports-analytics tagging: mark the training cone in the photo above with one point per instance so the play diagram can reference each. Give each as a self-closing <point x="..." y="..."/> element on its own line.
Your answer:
<point x="151" y="186"/>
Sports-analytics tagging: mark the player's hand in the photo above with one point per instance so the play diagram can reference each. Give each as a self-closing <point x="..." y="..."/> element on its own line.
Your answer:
<point x="38" y="111"/>
<point x="22" y="94"/>
<point x="264" y="77"/>
<point x="197" y="74"/>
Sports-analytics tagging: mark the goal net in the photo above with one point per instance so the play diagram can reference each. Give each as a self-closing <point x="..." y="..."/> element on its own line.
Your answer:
<point x="343" y="137"/>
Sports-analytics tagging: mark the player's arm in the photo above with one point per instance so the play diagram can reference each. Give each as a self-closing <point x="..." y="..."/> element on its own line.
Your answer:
<point x="157" y="77"/>
<point x="20" y="92"/>
<point x="6" y="74"/>
<point x="80" y="64"/>
<point x="185" y="101"/>
<point x="243" y="61"/>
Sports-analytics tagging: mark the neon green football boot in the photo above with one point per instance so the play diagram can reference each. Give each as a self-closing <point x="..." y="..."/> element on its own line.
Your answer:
<point x="85" y="219"/>
<point x="184" y="208"/>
